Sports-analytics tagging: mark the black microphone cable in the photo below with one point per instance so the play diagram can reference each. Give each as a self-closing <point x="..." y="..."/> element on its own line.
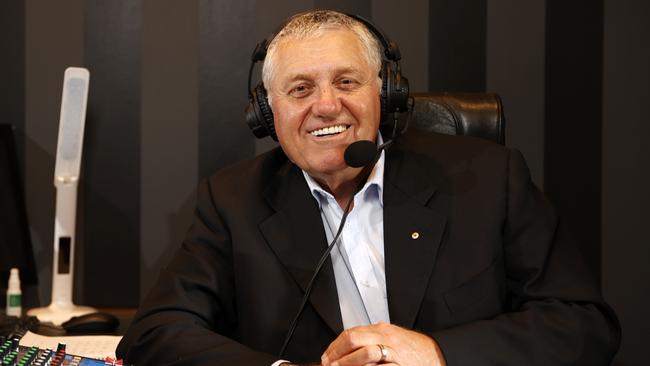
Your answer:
<point x="325" y="255"/>
<point x="322" y="260"/>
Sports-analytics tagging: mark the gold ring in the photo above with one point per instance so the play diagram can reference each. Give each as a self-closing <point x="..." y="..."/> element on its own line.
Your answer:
<point x="384" y="353"/>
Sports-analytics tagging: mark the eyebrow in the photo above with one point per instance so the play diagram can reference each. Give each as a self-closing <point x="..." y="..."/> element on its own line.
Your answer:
<point x="304" y="76"/>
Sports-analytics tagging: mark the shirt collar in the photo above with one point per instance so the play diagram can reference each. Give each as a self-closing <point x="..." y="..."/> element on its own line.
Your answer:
<point x="375" y="179"/>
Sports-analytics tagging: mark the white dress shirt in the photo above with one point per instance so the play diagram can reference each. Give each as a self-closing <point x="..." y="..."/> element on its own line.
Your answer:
<point x="358" y="257"/>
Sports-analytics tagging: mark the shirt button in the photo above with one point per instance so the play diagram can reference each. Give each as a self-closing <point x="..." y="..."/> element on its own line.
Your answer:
<point x="415" y="235"/>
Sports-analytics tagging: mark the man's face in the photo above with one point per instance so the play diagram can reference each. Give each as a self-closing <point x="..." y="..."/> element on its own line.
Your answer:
<point x="325" y="96"/>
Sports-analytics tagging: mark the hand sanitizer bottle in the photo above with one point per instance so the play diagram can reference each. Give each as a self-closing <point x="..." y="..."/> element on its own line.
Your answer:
<point x="14" y="295"/>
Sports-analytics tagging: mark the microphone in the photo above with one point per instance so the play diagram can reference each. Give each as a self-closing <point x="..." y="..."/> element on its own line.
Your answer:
<point x="360" y="153"/>
<point x="363" y="153"/>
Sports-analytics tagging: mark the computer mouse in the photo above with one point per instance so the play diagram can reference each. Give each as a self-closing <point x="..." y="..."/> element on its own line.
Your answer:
<point x="99" y="322"/>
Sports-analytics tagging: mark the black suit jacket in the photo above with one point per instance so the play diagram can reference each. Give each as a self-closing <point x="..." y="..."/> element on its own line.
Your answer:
<point x="491" y="277"/>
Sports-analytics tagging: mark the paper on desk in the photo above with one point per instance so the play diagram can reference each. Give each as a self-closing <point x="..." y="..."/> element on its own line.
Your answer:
<point x="95" y="346"/>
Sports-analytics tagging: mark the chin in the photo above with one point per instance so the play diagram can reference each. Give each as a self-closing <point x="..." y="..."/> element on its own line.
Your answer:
<point x="328" y="166"/>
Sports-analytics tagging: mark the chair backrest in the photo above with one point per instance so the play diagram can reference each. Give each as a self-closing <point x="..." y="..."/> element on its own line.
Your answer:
<point x="471" y="114"/>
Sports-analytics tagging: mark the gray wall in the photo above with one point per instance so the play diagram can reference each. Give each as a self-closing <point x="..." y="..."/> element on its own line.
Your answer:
<point x="169" y="136"/>
<point x="515" y="69"/>
<point x="167" y="96"/>
<point x="626" y="173"/>
<point x="50" y="47"/>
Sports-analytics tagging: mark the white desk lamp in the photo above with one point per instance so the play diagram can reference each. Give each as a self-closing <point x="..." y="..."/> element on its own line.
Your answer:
<point x="66" y="177"/>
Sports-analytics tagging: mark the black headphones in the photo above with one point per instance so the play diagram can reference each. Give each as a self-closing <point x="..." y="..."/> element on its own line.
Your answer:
<point x="394" y="87"/>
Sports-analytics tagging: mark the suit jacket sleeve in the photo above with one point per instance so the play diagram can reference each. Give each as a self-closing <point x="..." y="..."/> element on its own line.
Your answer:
<point x="193" y="298"/>
<point x="558" y="316"/>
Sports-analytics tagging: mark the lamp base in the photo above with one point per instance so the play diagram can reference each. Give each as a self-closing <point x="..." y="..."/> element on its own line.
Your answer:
<point x="58" y="314"/>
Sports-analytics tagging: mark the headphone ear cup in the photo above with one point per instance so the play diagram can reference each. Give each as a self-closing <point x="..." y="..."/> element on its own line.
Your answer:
<point x="383" y="97"/>
<point x="400" y="93"/>
<point x="265" y="111"/>
<point x="259" y="115"/>
<point x="397" y="90"/>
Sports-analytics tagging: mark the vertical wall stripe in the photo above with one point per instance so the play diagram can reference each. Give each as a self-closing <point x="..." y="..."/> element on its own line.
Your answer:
<point x="12" y="71"/>
<point x="515" y="70"/>
<point x="225" y="31"/>
<point x="408" y="26"/>
<point x="169" y="133"/>
<point x="111" y="208"/>
<point x="626" y="173"/>
<point x="457" y="45"/>
<point x="53" y="41"/>
<point x="573" y="120"/>
<point x="12" y="105"/>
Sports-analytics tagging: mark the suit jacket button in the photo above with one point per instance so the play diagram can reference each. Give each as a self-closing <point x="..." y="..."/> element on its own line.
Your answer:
<point x="415" y="235"/>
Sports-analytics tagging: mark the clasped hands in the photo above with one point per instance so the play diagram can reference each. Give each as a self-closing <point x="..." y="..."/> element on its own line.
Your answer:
<point x="384" y="344"/>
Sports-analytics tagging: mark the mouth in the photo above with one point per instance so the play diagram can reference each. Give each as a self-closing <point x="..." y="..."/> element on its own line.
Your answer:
<point x="329" y="131"/>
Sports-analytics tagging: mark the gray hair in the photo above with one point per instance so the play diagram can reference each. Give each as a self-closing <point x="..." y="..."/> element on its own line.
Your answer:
<point x="313" y="24"/>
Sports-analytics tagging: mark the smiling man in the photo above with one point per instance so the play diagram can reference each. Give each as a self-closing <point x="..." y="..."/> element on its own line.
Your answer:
<point x="325" y="90"/>
<point x="449" y="256"/>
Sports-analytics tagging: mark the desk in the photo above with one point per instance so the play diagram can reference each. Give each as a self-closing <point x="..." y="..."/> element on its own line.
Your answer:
<point x="124" y="315"/>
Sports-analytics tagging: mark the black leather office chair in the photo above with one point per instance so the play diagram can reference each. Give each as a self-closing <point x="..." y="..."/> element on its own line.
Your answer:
<point x="471" y="114"/>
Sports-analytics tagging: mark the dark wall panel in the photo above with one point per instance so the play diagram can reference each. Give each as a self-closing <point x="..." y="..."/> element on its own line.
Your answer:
<point x="457" y="45"/>
<point x="515" y="70"/>
<point x="573" y="119"/>
<point x="12" y="109"/>
<point x="626" y="173"/>
<point x="408" y="26"/>
<point x="226" y="40"/>
<point x="111" y="199"/>
<point x="169" y="133"/>
<point x="12" y="70"/>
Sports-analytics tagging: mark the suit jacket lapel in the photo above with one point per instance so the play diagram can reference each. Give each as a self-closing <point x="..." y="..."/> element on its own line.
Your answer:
<point x="412" y="235"/>
<point x="296" y="235"/>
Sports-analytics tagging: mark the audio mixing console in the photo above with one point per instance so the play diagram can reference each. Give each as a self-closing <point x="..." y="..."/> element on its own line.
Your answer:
<point x="13" y="354"/>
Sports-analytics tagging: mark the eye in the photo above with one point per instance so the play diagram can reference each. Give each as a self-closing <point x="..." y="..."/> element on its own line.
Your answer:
<point x="300" y="91"/>
<point x="347" y="83"/>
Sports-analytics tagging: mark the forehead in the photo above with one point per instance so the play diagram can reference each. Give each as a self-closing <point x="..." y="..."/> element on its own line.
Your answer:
<point x="333" y="50"/>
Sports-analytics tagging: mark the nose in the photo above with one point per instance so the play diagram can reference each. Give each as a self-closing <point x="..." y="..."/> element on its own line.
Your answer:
<point x="327" y="103"/>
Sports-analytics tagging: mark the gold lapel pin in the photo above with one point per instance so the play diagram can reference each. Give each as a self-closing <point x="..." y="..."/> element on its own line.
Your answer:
<point x="415" y="235"/>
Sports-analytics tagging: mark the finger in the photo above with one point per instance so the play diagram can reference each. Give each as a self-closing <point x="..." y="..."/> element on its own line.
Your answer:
<point x="349" y="341"/>
<point x="362" y="356"/>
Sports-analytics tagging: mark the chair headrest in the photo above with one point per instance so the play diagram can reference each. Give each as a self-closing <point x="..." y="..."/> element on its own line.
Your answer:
<point x="471" y="114"/>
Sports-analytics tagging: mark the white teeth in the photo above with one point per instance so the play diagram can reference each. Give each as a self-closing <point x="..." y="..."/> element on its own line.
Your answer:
<point x="329" y="130"/>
